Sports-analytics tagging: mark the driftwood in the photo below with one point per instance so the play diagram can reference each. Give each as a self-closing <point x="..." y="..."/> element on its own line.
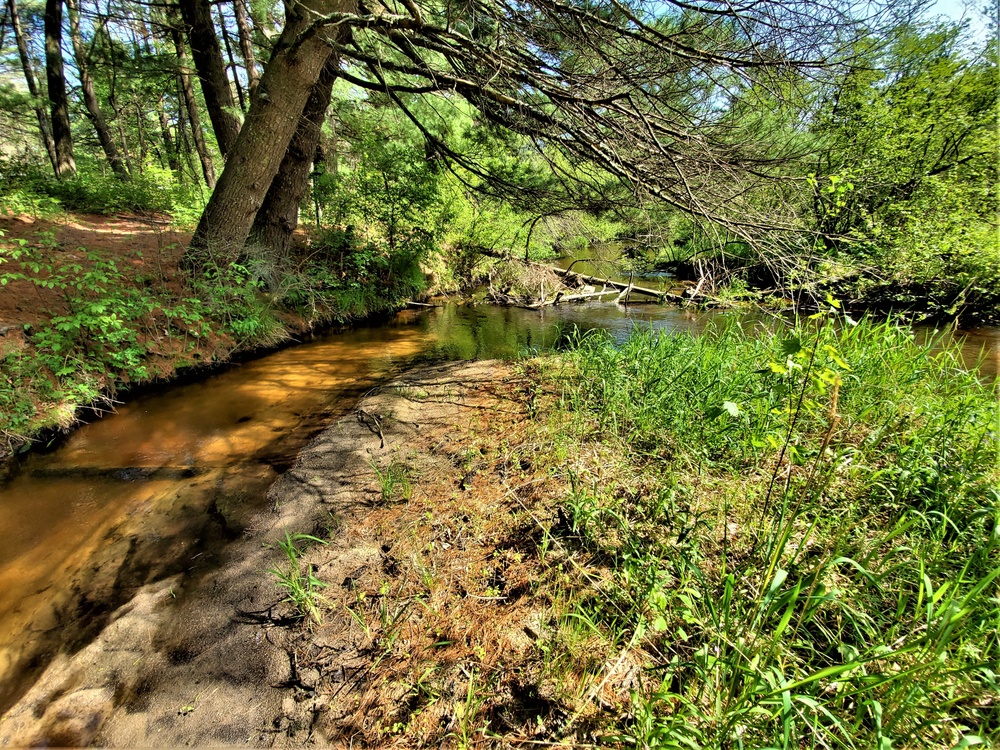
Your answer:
<point x="560" y="297"/>
<point x="608" y="287"/>
<point x="617" y="285"/>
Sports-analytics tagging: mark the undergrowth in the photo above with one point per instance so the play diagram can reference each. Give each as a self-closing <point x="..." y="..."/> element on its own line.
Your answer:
<point x="106" y="324"/>
<point x="795" y="534"/>
<point x="30" y="189"/>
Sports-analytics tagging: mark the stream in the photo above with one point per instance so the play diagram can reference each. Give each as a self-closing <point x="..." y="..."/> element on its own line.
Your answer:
<point x="158" y="487"/>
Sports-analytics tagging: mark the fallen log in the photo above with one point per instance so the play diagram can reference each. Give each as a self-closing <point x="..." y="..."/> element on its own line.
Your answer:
<point x="560" y="298"/>
<point x="620" y="286"/>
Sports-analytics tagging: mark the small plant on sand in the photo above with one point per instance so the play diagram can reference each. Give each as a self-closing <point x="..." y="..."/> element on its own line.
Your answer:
<point x="299" y="582"/>
<point x="393" y="480"/>
<point x="467" y="713"/>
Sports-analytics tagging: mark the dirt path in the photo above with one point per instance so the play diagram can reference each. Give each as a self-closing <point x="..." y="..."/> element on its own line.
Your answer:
<point x="428" y="619"/>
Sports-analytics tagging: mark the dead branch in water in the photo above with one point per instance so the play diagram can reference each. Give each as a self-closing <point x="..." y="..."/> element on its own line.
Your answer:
<point x="618" y="285"/>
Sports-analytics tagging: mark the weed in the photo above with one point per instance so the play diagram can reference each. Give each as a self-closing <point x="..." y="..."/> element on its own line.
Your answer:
<point x="467" y="712"/>
<point x="393" y="480"/>
<point x="300" y="584"/>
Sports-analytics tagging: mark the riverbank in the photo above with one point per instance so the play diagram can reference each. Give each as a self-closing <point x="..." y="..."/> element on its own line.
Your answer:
<point x="188" y="650"/>
<point x="92" y="306"/>
<point x="766" y="538"/>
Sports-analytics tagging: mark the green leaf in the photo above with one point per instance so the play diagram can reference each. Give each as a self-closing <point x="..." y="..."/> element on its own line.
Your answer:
<point x="790" y="347"/>
<point x="969" y="740"/>
<point x="835" y="356"/>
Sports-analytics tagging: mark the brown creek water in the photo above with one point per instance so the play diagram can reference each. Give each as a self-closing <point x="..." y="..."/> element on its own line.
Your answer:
<point x="159" y="487"/>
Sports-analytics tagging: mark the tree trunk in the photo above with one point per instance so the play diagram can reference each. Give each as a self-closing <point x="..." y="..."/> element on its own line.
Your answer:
<point x="245" y="31"/>
<point x="279" y="215"/>
<point x="140" y="117"/>
<point x="109" y="56"/>
<point x="232" y="60"/>
<point x="169" y="143"/>
<point x="211" y="69"/>
<point x="90" y="100"/>
<point x="119" y="118"/>
<point x="184" y="148"/>
<point x="191" y="105"/>
<point x="59" y="101"/>
<point x="29" y="77"/>
<point x="271" y="122"/>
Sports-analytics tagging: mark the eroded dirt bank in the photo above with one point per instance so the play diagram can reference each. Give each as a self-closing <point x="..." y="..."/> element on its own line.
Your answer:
<point x="426" y="507"/>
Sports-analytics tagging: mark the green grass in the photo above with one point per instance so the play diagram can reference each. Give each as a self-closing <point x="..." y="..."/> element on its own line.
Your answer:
<point x="300" y="585"/>
<point x="393" y="480"/>
<point x="799" y="532"/>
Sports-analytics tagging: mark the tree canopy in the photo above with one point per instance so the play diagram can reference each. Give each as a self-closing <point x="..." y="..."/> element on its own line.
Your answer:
<point x="799" y="127"/>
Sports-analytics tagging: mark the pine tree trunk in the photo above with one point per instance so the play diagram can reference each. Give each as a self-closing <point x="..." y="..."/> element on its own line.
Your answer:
<point x="90" y="100"/>
<point x="191" y="105"/>
<point x="211" y="69"/>
<point x="62" y="134"/>
<point x="279" y="215"/>
<point x="274" y="115"/>
<point x="169" y="143"/>
<point x="184" y="148"/>
<point x="29" y="77"/>
<point x="245" y="31"/>
<point x="232" y="60"/>
<point x="140" y="118"/>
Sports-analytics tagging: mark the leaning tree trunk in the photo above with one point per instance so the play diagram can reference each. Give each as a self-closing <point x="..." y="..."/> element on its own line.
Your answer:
<point x="90" y="100"/>
<point x="191" y="105"/>
<point x="274" y="115"/>
<point x="211" y="69"/>
<point x="279" y="215"/>
<point x="29" y="77"/>
<point x="58" y="100"/>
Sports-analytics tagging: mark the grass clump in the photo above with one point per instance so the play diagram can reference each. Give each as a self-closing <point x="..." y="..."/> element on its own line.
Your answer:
<point x="297" y="580"/>
<point x="393" y="480"/>
<point x="796" y="533"/>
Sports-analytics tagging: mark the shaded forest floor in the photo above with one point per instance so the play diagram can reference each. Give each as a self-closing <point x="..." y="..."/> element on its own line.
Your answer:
<point x="139" y="245"/>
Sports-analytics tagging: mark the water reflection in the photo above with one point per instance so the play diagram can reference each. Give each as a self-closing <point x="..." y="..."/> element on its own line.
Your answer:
<point x="130" y="498"/>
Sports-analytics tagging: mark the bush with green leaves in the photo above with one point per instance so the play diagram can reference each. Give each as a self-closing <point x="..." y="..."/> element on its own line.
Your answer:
<point x="904" y="180"/>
